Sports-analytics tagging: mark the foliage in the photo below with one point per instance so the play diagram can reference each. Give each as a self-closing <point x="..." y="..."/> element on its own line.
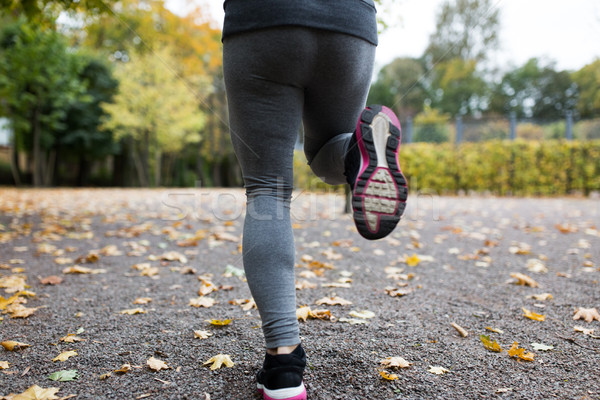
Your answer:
<point x="459" y="87"/>
<point x="588" y="82"/>
<point x="431" y="126"/>
<point x="48" y="10"/>
<point x="465" y="29"/>
<point x="154" y="107"/>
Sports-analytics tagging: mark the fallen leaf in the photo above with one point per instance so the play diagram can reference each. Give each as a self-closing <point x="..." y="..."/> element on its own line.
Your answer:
<point x="320" y="314"/>
<point x="489" y="328"/>
<point x="13" y="283"/>
<point x="105" y="376"/>
<point x="515" y="351"/>
<point x="460" y="330"/>
<point x="64" y="376"/>
<point x="124" y="369"/>
<point x="412" y="261"/>
<point x="4" y="365"/>
<point x="541" y="347"/>
<point x="588" y="314"/>
<point x="230" y="271"/>
<point x="133" y="311"/>
<point x="218" y="360"/>
<point x="77" y="269"/>
<point x="532" y="315"/>
<point x="387" y="376"/>
<point x="397" y="292"/>
<point x="219" y="322"/>
<point x="364" y="314"/>
<point x="303" y="313"/>
<point x="71" y="338"/>
<point x="202" y="334"/>
<point x="156" y="365"/>
<point x="11" y="345"/>
<point x="541" y="297"/>
<point x="19" y="311"/>
<point x="7" y="302"/>
<point x="437" y="370"/>
<point x="524" y="280"/>
<point x="142" y="300"/>
<point x="332" y="301"/>
<point x="353" y="321"/>
<point x="520" y="248"/>
<point x="395" y="362"/>
<point x="304" y="284"/>
<point x="205" y="302"/>
<point x="489" y="344"/>
<point x="64" y="356"/>
<point x="36" y="392"/>
<point x="537" y="266"/>
<point x="152" y="271"/>
<point x="51" y="280"/>
<point x="583" y="330"/>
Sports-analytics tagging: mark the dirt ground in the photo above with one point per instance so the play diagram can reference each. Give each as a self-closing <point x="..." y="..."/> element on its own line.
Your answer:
<point x="449" y="261"/>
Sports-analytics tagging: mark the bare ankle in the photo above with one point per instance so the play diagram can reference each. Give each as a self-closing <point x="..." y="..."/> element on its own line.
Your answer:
<point x="282" y="350"/>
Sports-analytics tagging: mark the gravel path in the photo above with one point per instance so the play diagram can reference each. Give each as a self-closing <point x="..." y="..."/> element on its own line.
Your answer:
<point x="451" y="258"/>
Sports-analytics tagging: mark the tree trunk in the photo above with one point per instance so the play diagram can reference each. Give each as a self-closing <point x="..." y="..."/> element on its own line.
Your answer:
<point x="157" y="167"/>
<point x="139" y="167"/>
<point x="14" y="162"/>
<point x="146" y="158"/>
<point x="37" y="153"/>
<point x="50" y="168"/>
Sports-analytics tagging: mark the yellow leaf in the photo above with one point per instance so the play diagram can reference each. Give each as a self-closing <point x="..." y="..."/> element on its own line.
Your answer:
<point x="320" y="314"/>
<point x="489" y="328"/>
<point x="395" y="362"/>
<point x="77" y="269"/>
<point x="19" y="311"/>
<point x="4" y="365"/>
<point x="364" y="314"/>
<point x="532" y="315"/>
<point x="71" y="338"/>
<point x="152" y="271"/>
<point x="388" y="376"/>
<point x="218" y="360"/>
<point x="11" y="345"/>
<point x="515" y="351"/>
<point x="303" y="313"/>
<point x="332" y="301"/>
<point x="437" y="370"/>
<point x="134" y="311"/>
<point x="489" y="344"/>
<point x="105" y="376"/>
<point x="218" y="322"/>
<point x="13" y="283"/>
<point x="524" y="280"/>
<point x="142" y="300"/>
<point x="155" y="364"/>
<point x="6" y="302"/>
<point x="202" y="334"/>
<point x="38" y="393"/>
<point x="64" y="356"/>
<point x="412" y="261"/>
<point x="583" y="330"/>
<point x="205" y="302"/>
<point x="541" y="297"/>
<point x="124" y="369"/>
<point x="588" y="314"/>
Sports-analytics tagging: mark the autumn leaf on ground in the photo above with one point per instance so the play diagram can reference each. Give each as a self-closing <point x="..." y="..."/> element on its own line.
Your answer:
<point x="225" y="237"/>
<point x="587" y="314"/>
<point x="64" y="376"/>
<point x="583" y="330"/>
<point x="524" y="280"/>
<point x="541" y="297"/>
<point x="19" y="311"/>
<point x="537" y="266"/>
<point x="495" y="330"/>
<point x="142" y="300"/>
<point x="532" y="315"/>
<point x="12" y="345"/>
<point x="354" y="321"/>
<point x="460" y="330"/>
<point x="170" y="256"/>
<point x="124" y="369"/>
<point x="156" y="365"/>
<point x="437" y="370"/>
<point x="541" y="347"/>
<point x="411" y="261"/>
<point x="364" y="314"/>
<point x="77" y="269"/>
<point x="230" y="271"/>
<point x="150" y="272"/>
<point x="7" y="302"/>
<point x="247" y="304"/>
<point x="4" y="365"/>
<point x="219" y="322"/>
<point x="205" y="302"/>
<point x="515" y="351"/>
<point x="397" y="292"/>
<point x="202" y="334"/>
<point x="395" y="362"/>
<point x="133" y="311"/>
<point x="566" y="228"/>
<point x="332" y="255"/>
<point x="489" y="344"/>
<point x="71" y="338"/>
<point x="218" y="360"/>
<point x="332" y="301"/>
<point x="51" y="280"/>
<point x="63" y="260"/>
<point x="304" y="284"/>
<point x="206" y="287"/>
<point x="303" y="313"/>
<point x="320" y="314"/>
<point x="13" y="283"/>
<point x="36" y="392"/>
<point x="520" y="248"/>
<point x="64" y="356"/>
<point x="387" y="376"/>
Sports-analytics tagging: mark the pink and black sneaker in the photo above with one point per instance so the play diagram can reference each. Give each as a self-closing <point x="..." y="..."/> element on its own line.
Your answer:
<point x="379" y="189"/>
<point x="280" y="378"/>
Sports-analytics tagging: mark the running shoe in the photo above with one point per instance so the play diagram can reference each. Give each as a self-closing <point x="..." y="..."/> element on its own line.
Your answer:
<point x="280" y="378"/>
<point x="379" y="189"/>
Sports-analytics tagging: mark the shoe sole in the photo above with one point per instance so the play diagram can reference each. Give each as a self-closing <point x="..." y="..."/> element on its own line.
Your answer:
<point x="380" y="190"/>
<point x="295" y="393"/>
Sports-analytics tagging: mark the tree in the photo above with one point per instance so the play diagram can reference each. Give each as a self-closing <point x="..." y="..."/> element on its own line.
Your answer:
<point x="535" y="91"/>
<point x="47" y="10"/>
<point x="431" y="126"/>
<point x="154" y="107"/>
<point x="38" y="83"/>
<point x="588" y="83"/>
<point x="459" y="87"/>
<point x="465" y="29"/>
<point x="400" y="84"/>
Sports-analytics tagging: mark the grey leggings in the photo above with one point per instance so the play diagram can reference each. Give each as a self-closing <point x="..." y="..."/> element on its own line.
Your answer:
<point x="277" y="79"/>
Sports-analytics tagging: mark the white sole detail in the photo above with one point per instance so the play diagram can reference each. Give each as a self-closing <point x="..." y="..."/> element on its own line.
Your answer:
<point x="285" y="393"/>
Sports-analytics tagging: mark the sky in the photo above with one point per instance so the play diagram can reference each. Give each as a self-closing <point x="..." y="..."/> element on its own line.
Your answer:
<point x="567" y="32"/>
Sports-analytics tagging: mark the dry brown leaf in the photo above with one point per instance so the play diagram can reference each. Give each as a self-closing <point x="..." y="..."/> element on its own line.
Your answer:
<point x="78" y="269"/>
<point x="303" y="313"/>
<point x="205" y="302"/>
<point x="515" y="351"/>
<point x="142" y="300"/>
<point x="51" y="280"/>
<point x="395" y="362"/>
<point x="304" y="284"/>
<point x="524" y="280"/>
<point x="226" y="237"/>
<point x="4" y="365"/>
<point x="218" y="360"/>
<point x="71" y="338"/>
<point x="206" y="287"/>
<point x="156" y="365"/>
<point x="541" y="297"/>
<point x="202" y="334"/>
<point x="151" y="271"/>
<point x="587" y="314"/>
<point x="124" y="369"/>
<point x="583" y="330"/>
<point x="13" y="283"/>
<point x="63" y="260"/>
<point x="332" y="301"/>
<point x="532" y="315"/>
<point x="65" y="355"/>
<point x="397" y="292"/>
<point x="36" y="392"/>
<point x="12" y="345"/>
<point x="133" y="311"/>
<point x="520" y="248"/>
<point x="19" y="311"/>
<point x="320" y="314"/>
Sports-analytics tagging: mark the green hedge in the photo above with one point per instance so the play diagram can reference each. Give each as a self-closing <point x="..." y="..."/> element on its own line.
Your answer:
<point x="549" y="168"/>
